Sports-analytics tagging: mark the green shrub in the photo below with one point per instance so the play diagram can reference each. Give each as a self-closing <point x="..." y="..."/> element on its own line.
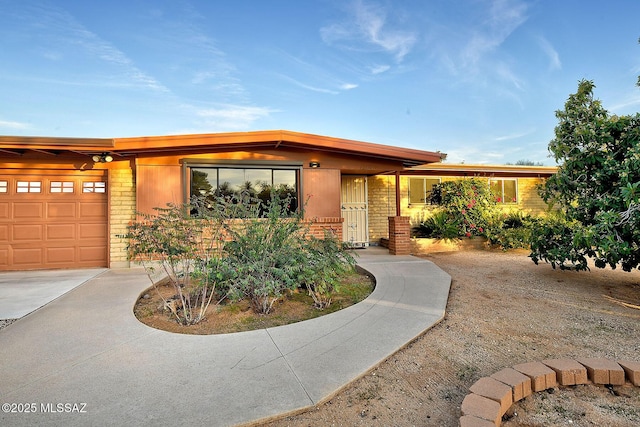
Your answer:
<point x="239" y="247"/>
<point x="182" y="246"/>
<point x="511" y="230"/>
<point x="437" y="226"/>
<point x="550" y="238"/>
<point x="468" y="205"/>
<point x="262" y="251"/>
<point x="267" y="257"/>
<point x="324" y="262"/>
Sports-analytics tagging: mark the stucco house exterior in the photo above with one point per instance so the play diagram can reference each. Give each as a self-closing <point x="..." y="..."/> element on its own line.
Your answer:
<point x="66" y="202"/>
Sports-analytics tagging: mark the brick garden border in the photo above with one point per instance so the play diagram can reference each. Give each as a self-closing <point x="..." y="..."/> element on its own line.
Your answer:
<point x="491" y="397"/>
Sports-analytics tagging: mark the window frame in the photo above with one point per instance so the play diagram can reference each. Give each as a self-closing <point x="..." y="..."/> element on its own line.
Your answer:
<point x="62" y="188"/>
<point x="501" y="199"/>
<point x="189" y="164"/>
<point x="29" y="188"/>
<point x="424" y="195"/>
<point x="94" y="187"/>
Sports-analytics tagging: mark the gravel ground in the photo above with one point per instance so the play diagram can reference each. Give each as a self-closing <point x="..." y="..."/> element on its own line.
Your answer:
<point x="6" y="322"/>
<point x="503" y="310"/>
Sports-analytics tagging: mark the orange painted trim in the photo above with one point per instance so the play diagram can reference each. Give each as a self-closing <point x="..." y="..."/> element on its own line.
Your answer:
<point x="274" y="139"/>
<point x="48" y="143"/>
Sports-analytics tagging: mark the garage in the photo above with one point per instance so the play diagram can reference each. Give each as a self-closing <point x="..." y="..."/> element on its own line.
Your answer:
<point x="53" y="219"/>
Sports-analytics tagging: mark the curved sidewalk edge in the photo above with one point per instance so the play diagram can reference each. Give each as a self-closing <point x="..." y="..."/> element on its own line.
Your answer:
<point x="84" y="359"/>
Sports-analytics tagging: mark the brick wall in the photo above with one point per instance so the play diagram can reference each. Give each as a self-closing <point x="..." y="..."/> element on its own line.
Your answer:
<point x="122" y="208"/>
<point x="529" y="200"/>
<point x="399" y="235"/>
<point x="382" y="205"/>
<point x="331" y="224"/>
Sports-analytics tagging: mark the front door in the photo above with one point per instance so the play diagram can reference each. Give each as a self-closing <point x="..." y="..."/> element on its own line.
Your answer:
<point x="355" y="211"/>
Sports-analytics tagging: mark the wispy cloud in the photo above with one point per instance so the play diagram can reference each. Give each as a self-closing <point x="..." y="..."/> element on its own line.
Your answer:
<point x="625" y="104"/>
<point x="552" y="54"/>
<point x="367" y="27"/>
<point x="231" y="117"/>
<point x="379" y="69"/>
<point x="308" y="86"/>
<point x="502" y="18"/>
<point x="506" y="74"/>
<point x="348" y="86"/>
<point x="512" y="136"/>
<point x="312" y="77"/>
<point x="66" y="34"/>
<point x="4" y="124"/>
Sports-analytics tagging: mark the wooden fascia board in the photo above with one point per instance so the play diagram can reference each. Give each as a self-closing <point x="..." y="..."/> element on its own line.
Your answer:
<point x="56" y="144"/>
<point x="275" y="139"/>
<point x="482" y="170"/>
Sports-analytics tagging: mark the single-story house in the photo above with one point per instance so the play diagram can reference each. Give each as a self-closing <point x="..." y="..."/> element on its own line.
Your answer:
<point x="66" y="202"/>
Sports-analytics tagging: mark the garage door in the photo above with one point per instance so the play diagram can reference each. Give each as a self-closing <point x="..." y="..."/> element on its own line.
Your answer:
<point x="52" y="219"/>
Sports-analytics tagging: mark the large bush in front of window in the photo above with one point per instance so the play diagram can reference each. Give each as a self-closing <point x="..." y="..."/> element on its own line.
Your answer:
<point x="270" y="252"/>
<point x="467" y="204"/>
<point x="237" y="247"/>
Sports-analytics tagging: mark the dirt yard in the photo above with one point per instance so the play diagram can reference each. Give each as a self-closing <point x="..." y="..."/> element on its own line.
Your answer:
<point x="503" y="310"/>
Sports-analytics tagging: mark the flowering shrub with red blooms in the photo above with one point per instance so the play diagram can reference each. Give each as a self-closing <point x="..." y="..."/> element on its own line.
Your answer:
<point x="467" y="203"/>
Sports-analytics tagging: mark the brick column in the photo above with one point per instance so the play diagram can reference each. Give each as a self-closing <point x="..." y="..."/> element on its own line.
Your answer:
<point x="122" y="210"/>
<point x="399" y="235"/>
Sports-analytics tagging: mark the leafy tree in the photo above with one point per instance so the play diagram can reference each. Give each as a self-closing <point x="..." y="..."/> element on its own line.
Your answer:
<point x="596" y="188"/>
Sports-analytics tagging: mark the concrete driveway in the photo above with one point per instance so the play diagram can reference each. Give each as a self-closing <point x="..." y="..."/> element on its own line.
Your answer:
<point x="22" y="292"/>
<point x="87" y="350"/>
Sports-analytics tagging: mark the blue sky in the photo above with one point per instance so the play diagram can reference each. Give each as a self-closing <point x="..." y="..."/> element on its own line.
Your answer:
<point x="477" y="79"/>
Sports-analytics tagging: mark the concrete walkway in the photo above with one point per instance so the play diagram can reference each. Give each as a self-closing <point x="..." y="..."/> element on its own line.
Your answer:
<point x="84" y="359"/>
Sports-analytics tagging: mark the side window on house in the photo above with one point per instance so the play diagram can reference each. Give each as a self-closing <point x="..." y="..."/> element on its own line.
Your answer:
<point x="504" y="190"/>
<point x="259" y="182"/>
<point x="420" y="189"/>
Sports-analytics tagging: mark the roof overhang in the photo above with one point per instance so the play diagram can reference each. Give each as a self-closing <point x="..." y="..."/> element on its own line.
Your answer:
<point x="482" y="170"/>
<point x="19" y="145"/>
<point x="274" y="139"/>
<point x="174" y="144"/>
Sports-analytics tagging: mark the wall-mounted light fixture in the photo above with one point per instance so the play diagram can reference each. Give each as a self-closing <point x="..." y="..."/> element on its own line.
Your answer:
<point x="102" y="158"/>
<point x="314" y="164"/>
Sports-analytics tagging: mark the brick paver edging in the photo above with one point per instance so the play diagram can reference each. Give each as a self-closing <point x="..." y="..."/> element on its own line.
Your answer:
<point x="491" y="397"/>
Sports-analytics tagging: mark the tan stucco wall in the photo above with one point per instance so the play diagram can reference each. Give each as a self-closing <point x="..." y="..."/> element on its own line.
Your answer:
<point x="122" y="209"/>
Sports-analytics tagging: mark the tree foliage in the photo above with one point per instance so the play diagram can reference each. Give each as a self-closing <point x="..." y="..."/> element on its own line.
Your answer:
<point x="596" y="188"/>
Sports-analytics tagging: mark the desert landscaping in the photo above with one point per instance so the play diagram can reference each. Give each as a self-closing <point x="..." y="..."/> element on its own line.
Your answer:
<point x="503" y="310"/>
